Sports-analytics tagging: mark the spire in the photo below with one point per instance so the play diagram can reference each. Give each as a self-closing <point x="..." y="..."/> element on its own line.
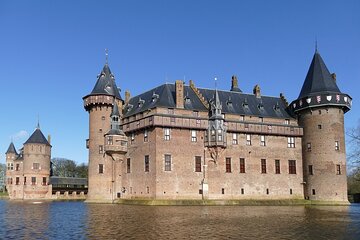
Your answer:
<point x="37" y="137"/>
<point x="38" y="123"/>
<point x="106" y="56"/>
<point x="11" y="148"/>
<point x="115" y="121"/>
<point x="318" y="79"/>
<point x="115" y="110"/>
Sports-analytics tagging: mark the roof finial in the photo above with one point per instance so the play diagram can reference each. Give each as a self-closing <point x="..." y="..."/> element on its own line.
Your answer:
<point x="106" y="55"/>
<point x="316" y="45"/>
<point x="38" y="123"/>
<point x="215" y="79"/>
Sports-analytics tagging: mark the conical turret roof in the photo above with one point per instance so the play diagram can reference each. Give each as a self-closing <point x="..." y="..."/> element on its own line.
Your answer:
<point x="115" y="110"/>
<point x="318" y="79"/>
<point x="105" y="85"/>
<point x="11" y="149"/>
<point x="37" y="137"/>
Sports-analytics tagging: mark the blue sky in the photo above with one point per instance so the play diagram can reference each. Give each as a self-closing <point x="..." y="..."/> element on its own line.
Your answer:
<point x="52" y="51"/>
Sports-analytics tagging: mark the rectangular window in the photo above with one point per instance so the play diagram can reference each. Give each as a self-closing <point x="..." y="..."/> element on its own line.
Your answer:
<point x="290" y="191"/>
<point x="277" y="166"/>
<point x="145" y="135"/>
<point x="242" y="165"/>
<point x="261" y="119"/>
<point x="146" y="162"/>
<point x="197" y="164"/>
<point x="228" y="165"/>
<point x="193" y="135"/>
<point x="101" y="168"/>
<point x="337" y="148"/>
<point x="246" y="125"/>
<point x="291" y="142"/>
<point x="242" y="191"/>
<point x="263" y="165"/>
<point x="33" y="180"/>
<point x="248" y="139"/>
<point x="195" y="113"/>
<point x="167" y="162"/>
<point x="223" y="191"/>
<point x="101" y="149"/>
<point x="167" y="134"/>
<point x="242" y="117"/>
<point x="338" y="169"/>
<point x="234" y="139"/>
<point x="292" y="166"/>
<point x="287" y="121"/>
<point x="262" y="140"/>
<point x="170" y="111"/>
<point x="24" y="180"/>
<point x="17" y="180"/>
<point x="44" y="181"/>
<point x="308" y="146"/>
<point x="311" y="170"/>
<point x="17" y="168"/>
<point x="319" y="126"/>
<point x="128" y="165"/>
<point x="313" y="192"/>
<point x="110" y="140"/>
<point x="36" y="166"/>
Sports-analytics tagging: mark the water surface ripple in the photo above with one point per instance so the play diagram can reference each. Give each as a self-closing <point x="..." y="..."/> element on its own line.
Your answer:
<point x="78" y="220"/>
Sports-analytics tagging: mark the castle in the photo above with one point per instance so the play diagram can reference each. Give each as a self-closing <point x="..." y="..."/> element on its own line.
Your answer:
<point x="178" y="141"/>
<point x="28" y="172"/>
<point x="181" y="142"/>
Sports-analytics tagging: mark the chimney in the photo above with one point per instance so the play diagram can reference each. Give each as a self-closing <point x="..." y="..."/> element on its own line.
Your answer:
<point x="256" y="91"/>
<point x="333" y="76"/>
<point x="49" y="139"/>
<point x="234" y="84"/>
<point x="127" y="96"/>
<point x="179" y="89"/>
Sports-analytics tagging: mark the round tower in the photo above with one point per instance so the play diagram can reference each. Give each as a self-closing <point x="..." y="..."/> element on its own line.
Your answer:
<point x="320" y="109"/>
<point x="99" y="104"/>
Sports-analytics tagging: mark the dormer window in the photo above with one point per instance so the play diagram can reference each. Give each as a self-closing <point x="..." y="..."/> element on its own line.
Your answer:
<point x="141" y="102"/>
<point x="245" y="103"/>
<point x="261" y="106"/>
<point x="154" y="97"/>
<point x="277" y="107"/>
<point x="229" y="102"/>
<point x="129" y="107"/>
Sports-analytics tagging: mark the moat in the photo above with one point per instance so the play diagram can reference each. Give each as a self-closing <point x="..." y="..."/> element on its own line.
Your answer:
<point x="78" y="220"/>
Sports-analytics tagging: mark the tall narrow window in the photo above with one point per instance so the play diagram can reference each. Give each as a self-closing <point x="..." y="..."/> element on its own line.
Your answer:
<point x="262" y="140"/>
<point x="44" y="181"/>
<point x="146" y="162"/>
<point x="248" y="139"/>
<point x="313" y="192"/>
<point x="287" y="122"/>
<point x="234" y="139"/>
<point x="337" y="148"/>
<point x="291" y="142"/>
<point x="193" y="135"/>
<point x="17" y="168"/>
<point x="110" y="140"/>
<point x="242" y="117"/>
<point x="128" y="165"/>
<point x="145" y="135"/>
<point x="167" y="162"/>
<point x="24" y="180"/>
<point x="242" y="165"/>
<point x="228" y="165"/>
<point x="263" y="165"/>
<point x="308" y="146"/>
<point x="17" y="180"/>
<point x="33" y="180"/>
<point x="101" y="168"/>
<point x="132" y="138"/>
<point x="197" y="164"/>
<point x="277" y="166"/>
<point x="311" y="170"/>
<point x="338" y="169"/>
<point x="292" y="166"/>
<point x="167" y="134"/>
<point x="261" y="119"/>
<point x="101" y="149"/>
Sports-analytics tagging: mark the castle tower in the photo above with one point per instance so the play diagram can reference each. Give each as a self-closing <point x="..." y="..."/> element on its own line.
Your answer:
<point x="99" y="104"/>
<point x="320" y="109"/>
<point x="11" y="157"/>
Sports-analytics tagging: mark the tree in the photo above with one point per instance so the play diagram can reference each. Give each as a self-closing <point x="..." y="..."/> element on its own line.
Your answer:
<point x="2" y="176"/>
<point x="354" y="160"/>
<point x="63" y="167"/>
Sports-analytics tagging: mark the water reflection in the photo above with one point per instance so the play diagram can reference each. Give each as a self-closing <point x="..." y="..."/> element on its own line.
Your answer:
<point x="77" y="220"/>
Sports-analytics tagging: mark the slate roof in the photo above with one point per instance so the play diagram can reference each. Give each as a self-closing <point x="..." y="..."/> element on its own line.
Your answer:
<point x="232" y="102"/>
<point x="37" y="137"/>
<point x="68" y="180"/>
<point x="318" y="79"/>
<point x="11" y="149"/>
<point x="105" y="85"/>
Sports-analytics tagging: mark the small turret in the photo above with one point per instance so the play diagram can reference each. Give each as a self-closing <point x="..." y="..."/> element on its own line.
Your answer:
<point x="234" y="84"/>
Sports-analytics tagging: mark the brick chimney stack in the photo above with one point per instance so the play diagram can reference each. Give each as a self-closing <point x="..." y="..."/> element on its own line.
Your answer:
<point x="179" y="88"/>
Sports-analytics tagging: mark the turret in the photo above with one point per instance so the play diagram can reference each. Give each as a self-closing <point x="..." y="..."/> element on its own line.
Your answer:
<point x="216" y="133"/>
<point x="320" y="109"/>
<point x="99" y="104"/>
